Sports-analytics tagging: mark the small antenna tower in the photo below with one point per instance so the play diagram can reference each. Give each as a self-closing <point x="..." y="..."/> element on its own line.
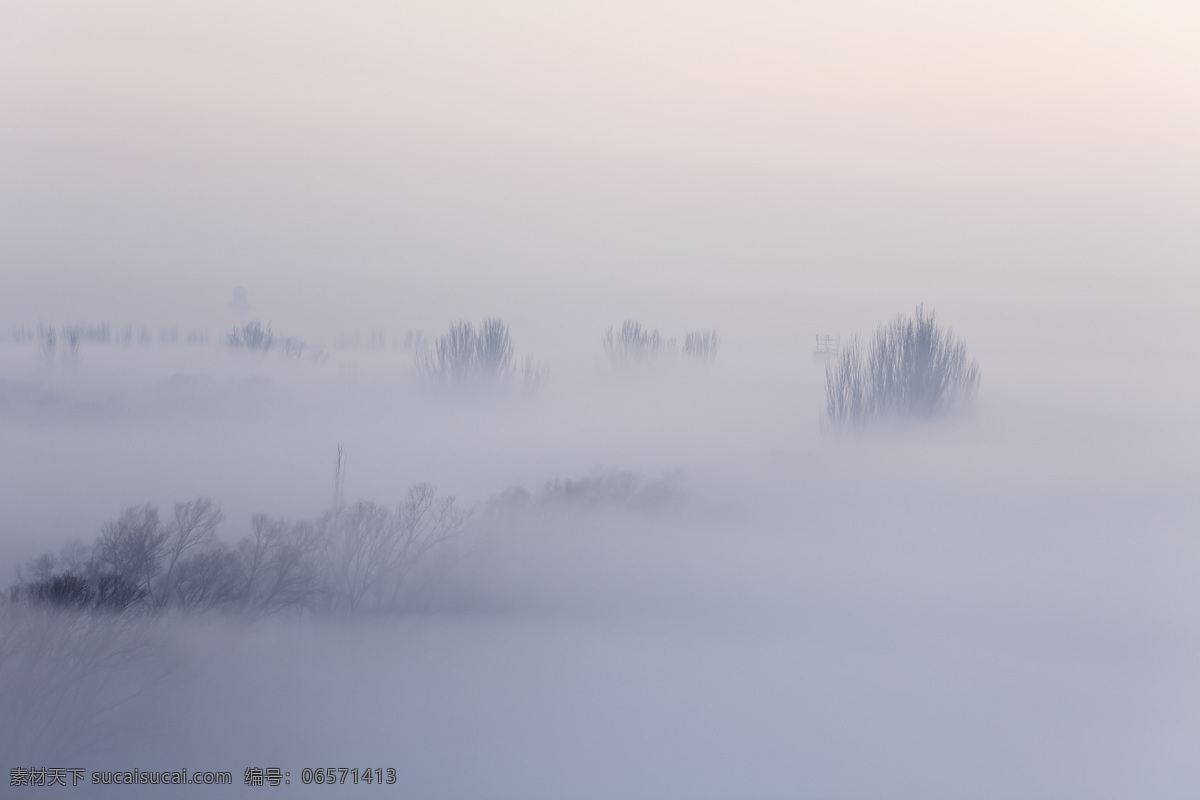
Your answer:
<point x="339" y="477"/>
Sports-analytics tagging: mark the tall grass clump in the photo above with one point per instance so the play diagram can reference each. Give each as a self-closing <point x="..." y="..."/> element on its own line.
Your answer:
<point x="913" y="367"/>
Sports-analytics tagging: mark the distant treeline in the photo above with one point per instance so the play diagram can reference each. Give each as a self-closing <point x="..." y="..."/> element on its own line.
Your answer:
<point x="72" y="335"/>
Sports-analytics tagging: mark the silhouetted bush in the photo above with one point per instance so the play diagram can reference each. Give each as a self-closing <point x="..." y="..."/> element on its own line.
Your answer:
<point x="63" y="591"/>
<point x="913" y="367"/>
<point x="466" y="357"/>
<point x="701" y="345"/>
<point x="251" y="336"/>
<point x="633" y="345"/>
<point x="616" y="490"/>
<point x="534" y="374"/>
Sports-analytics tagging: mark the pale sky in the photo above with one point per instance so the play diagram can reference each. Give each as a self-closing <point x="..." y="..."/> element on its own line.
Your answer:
<point x="202" y="145"/>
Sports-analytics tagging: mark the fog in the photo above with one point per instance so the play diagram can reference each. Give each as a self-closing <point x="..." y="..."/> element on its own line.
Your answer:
<point x="666" y="577"/>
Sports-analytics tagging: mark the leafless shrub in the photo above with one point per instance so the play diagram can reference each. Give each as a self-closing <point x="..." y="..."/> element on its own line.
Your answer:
<point x="534" y="374"/>
<point x="494" y="351"/>
<point x="66" y="590"/>
<point x="251" y="336"/>
<point x="701" y="345"/>
<point x="615" y="490"/>
<point x="468" y="358"/>
<point x="292" y="348"/>
<point x="98" y="332"/>
<point x="913" y="367"/>
<point x="633" y="345"/>
<point x="47" y="341"/>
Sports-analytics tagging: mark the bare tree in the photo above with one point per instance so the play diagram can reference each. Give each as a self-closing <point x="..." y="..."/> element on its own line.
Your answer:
<point x="426" y="522"/>
<point x="360" y="548"/>
<point x="128" y="556"/>
<point x="208" y="579"/>
<point x="251" y="336"/>
<point x="193" y="529"/>
<point x="370" y="550"/>
<point x="279" y="565"/>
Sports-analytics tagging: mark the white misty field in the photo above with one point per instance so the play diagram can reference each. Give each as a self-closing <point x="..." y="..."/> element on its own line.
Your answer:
<point x="711" y="598"/>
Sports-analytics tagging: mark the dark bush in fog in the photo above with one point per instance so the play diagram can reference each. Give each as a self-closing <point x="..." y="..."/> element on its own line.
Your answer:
<point x="292" y="347"/>
<point x="632" y="345"/>
<point x="47" y="341"/>
<point x="63" y="591"/>
<point x="912" y="367"/>
<point x="701" y="345"/>
<point x="466" y="357"/>
<point x="251" y="336"/>
<point x="619" y="490"/>
<point x="99" y="333"/>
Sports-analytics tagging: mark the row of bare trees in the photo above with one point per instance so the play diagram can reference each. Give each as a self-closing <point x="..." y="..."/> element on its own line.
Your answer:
<point x="352" y="558"/>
